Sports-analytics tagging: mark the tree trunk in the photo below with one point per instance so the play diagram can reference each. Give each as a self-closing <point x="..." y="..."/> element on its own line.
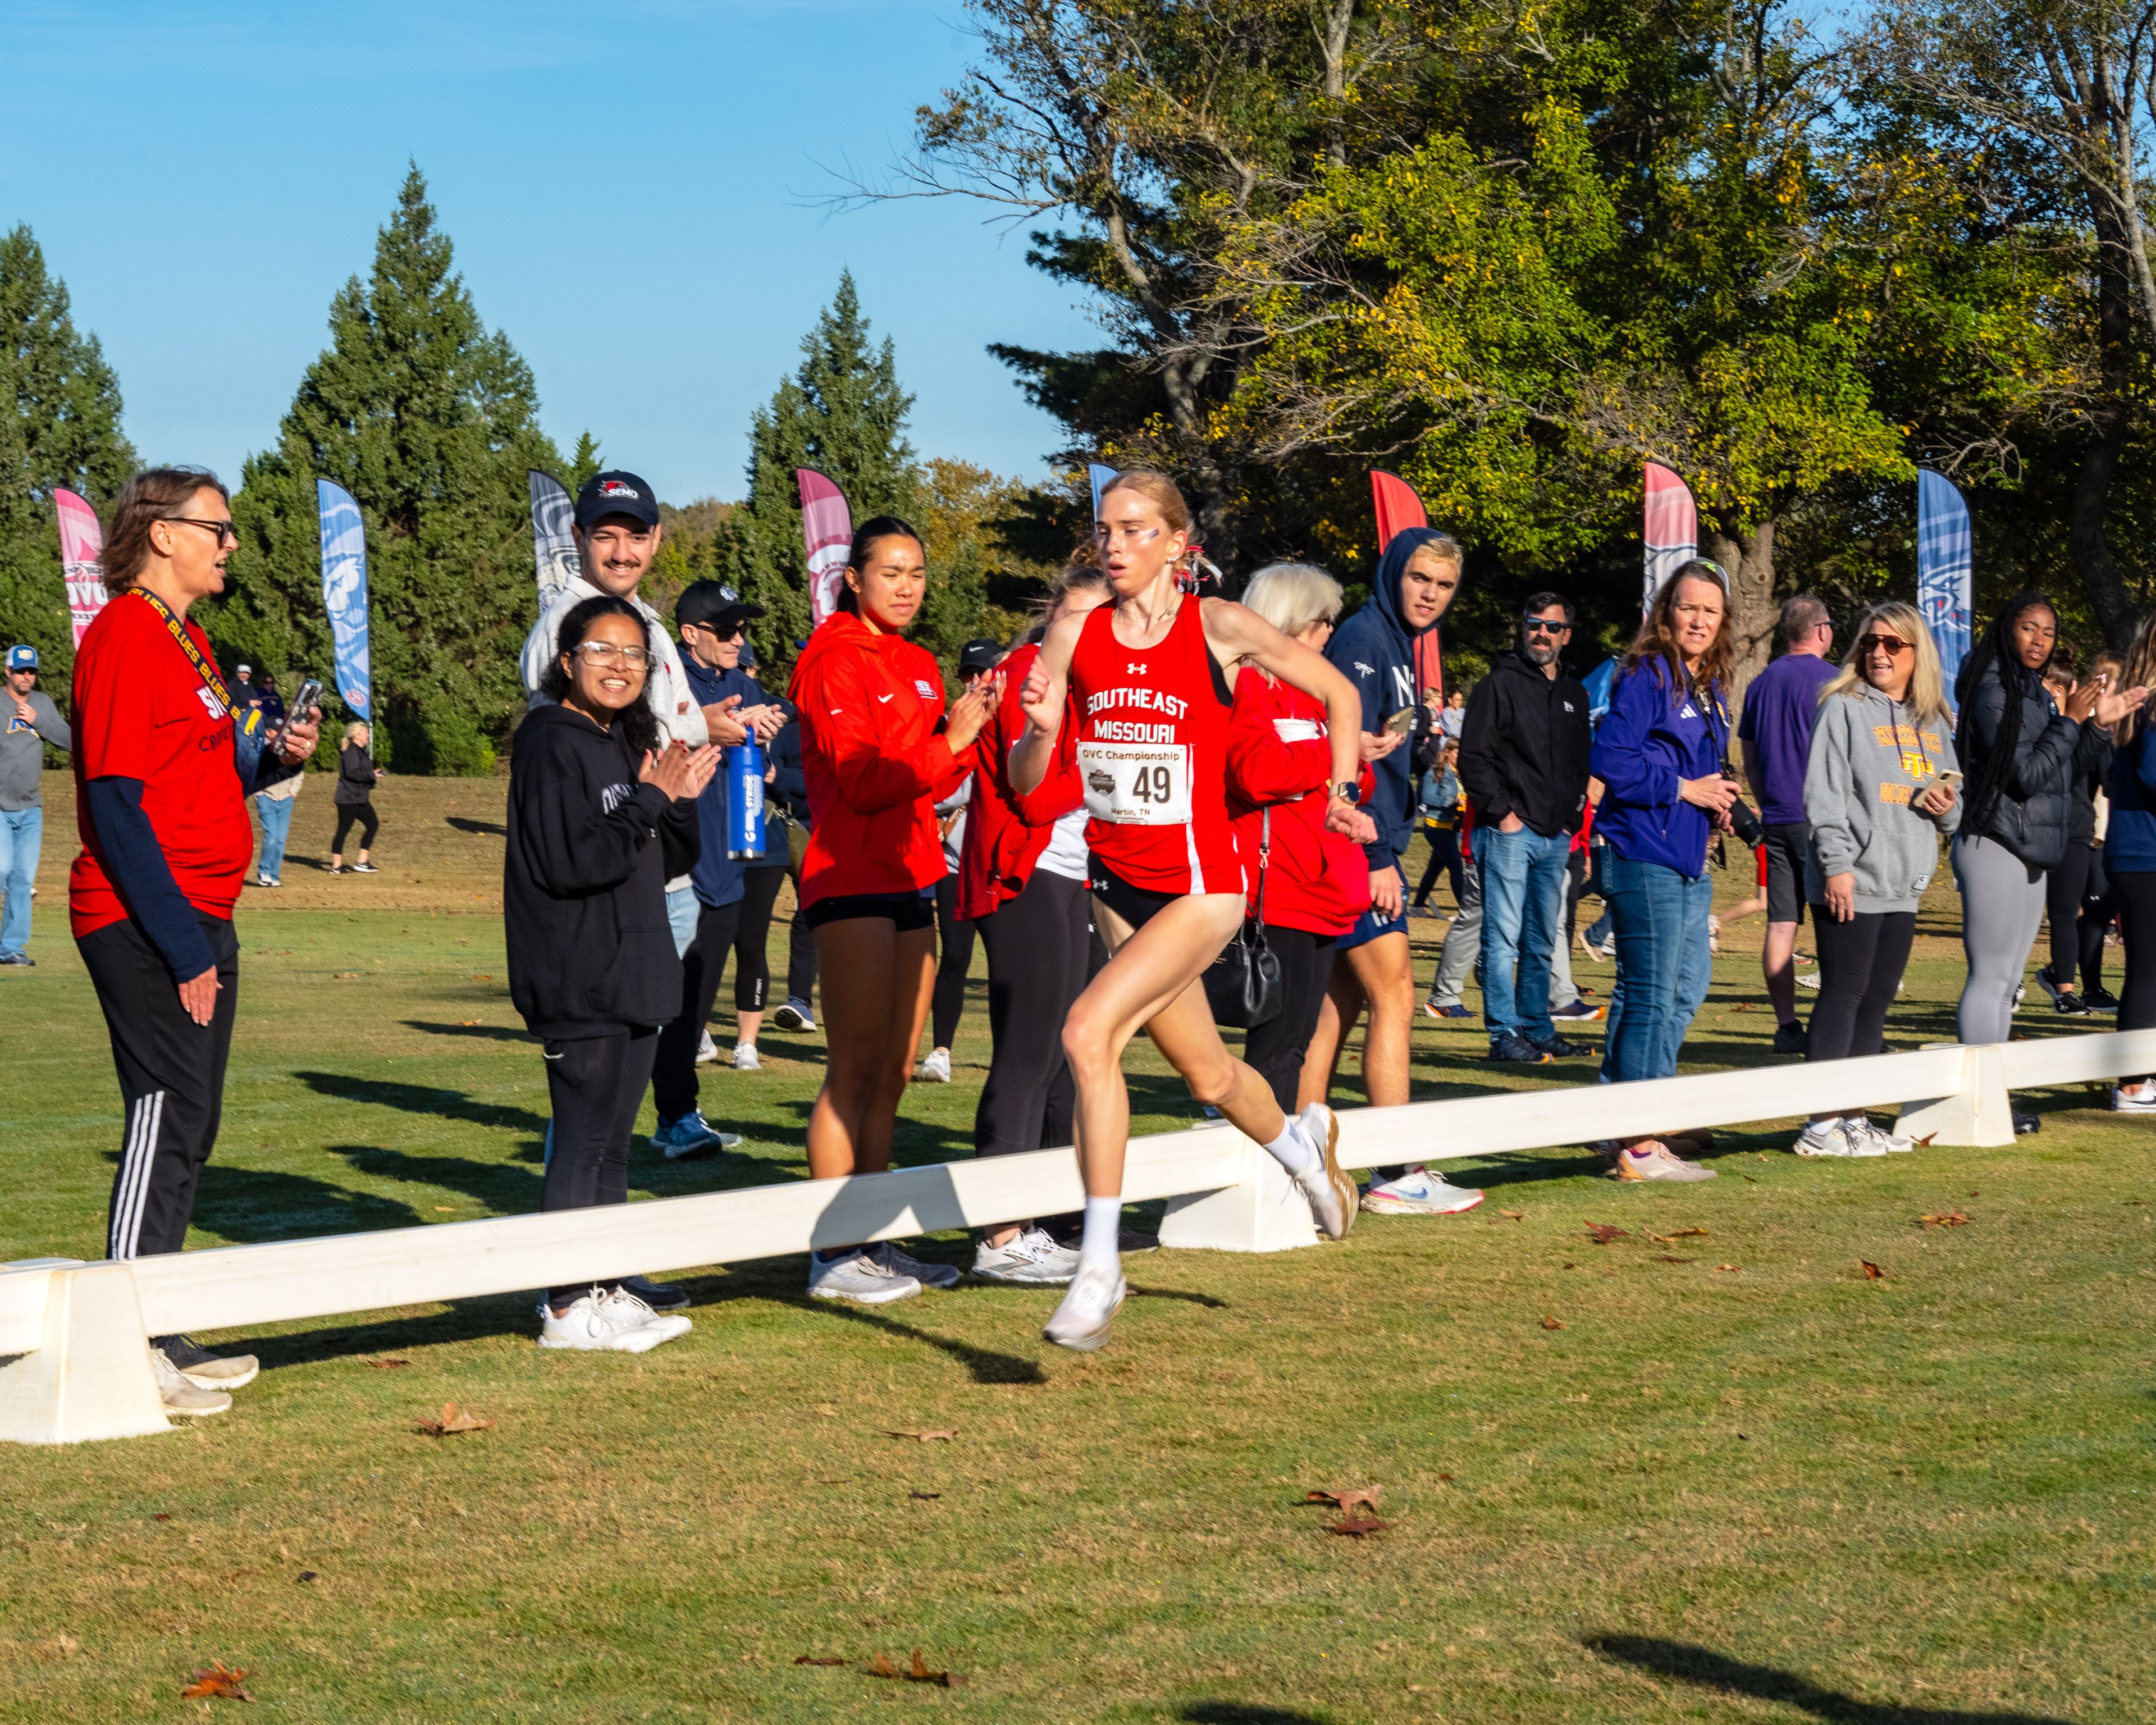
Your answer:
<point x="2110" y="424"/>
<point x="1749" y="558"/>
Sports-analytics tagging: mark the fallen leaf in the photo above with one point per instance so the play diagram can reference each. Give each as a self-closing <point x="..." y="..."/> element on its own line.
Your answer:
<point x="1446" y="1478"/>
<point x="344" y="976"/>
<point x="1604" y="1232"/>
<point x="1675" y="1234"/>
<point x="482" y="978"/>
<point x="925" y="1496"/>
<point x="1668" y="1259"/>
<point x="923" y="1437"/>
<point x="219" y="1681"/>
<point x="1345" y="1502"/>
<point x="1950" y="1219"/>
<point x="1571" y="1266"/>
<point x="1514" y="1215"/>
<point x="1872" y="1272"/>
<point x="449" y="1207"/>
<point x="162" y="1515"/>
<point x="1741" y="1175"/>
<point x="811" y="1659"/>
<point x="387" y="1365"/>
<point x="1356" y="1525"/>
<point x="453" y="1421"/>
<point x="1725" y="1266"/>
<point x="1927" y="1139"/>
<point x="1551" y="1324"/>
<point x="470" y="1024"/>
<point x="920" y="1674"/>
<point x="310" y="1574"/>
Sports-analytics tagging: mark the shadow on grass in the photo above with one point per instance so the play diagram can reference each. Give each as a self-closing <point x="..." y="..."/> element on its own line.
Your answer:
<point x="464" y="824"/>
<point x="248" y="1206"/>
<point x="1243" y="1712"/>
<point x="505" y="1188"/>
<point x="465" y="1321"/>
<point x="488" y="1032"/>
<point x="1709" y="1669"/>
<point x="985" y="1364"/>
<point x="424" y="1099"/>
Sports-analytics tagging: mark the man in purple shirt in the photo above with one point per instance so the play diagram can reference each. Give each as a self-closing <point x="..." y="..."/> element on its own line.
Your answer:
<point x="1776" y="731"/>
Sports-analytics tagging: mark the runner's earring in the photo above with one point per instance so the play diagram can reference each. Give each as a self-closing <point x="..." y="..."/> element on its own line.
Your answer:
<point x="1195" y="570"/>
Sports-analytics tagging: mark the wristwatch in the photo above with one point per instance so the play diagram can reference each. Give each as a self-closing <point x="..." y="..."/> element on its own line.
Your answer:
<point x="1349" y="791"/>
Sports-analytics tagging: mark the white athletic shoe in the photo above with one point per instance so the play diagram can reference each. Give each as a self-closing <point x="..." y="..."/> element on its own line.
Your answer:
<point x="745" y="1059"/>
<point x="1419" y="1192"/>
<point x="1329" y="1188"/>
<point x="596" y="1323"/>
<point x="1031" y="1260"/>
<point x="691" y="1135"/>
<point x="706" y="1050"/>
<point x="1891" y="1142"/>
<point x="1656" y="1161"/>
<point x="2138" y="1097"/>
<point x="859" y="1278"/>
<point x="1808" y="979"/>
<point x="621" y="1304"/>
<point x="1089" y="1306"/>
<point x="1836" y="1138"/>
<point x="935" y="1069"/>
<point x="928" y="1274"/>
<point x="178" y="1395"/>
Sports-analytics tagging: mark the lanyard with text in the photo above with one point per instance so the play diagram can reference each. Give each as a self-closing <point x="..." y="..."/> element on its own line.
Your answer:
<point x="203" y="669"/>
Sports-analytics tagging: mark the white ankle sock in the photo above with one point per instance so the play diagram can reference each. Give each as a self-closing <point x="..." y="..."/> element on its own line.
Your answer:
<point x="1104" y="1221"/>
<point x="1292" y="1150"/>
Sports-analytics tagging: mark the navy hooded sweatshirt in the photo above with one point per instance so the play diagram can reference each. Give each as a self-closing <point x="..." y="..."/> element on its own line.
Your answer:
<point x="1376" y="648"/>
<point x="717" y="877"/>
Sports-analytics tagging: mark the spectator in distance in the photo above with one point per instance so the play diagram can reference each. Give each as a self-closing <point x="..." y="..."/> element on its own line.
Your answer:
<point x="789" y="790"/>
<point x="1875" y="801"/>
<point x="2099" y="906"/>
<point x="354" y="797"/>
<point x="1454" y="714"/>
<point x="2020" y="751"/>
<point x="595" y="793"/>
<point x="2129" y="860"/>
<point x="162" y="769"/>
<point x="32" y="721"/>
<point x="977" y="660"/>
<point x="1523" y="762"/>
<point x="274" y="805"/>
<point x="2066" y="885"/>
<point x="1437" y="805"/>
<point x="1661" y="753"/>
<point x="1776" y="731"/>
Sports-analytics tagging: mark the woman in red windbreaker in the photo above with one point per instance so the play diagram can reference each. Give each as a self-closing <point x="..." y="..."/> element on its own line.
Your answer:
<point x="1317" y="882"/>
<point x="1022" y="882"/>
<point x="877" y="751"/>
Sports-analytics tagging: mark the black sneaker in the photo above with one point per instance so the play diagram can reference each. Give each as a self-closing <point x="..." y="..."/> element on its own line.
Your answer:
<point x="2068" y="1004"/>
<point x="1791" y="1039"/>
<point x="2100" y="999"/>
<point x="203" y="1370"/>
<point x="2046" y="981"/>
<point x="2026" y="1124"/>
<point x="22" y="958"/>
<point x="1556" y="1047"/>
<point x="659" y="1296"/>
<point x="1515" y="1050"/>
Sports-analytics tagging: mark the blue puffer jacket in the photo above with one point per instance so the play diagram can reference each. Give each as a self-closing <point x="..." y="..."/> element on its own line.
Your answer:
<point x="1376" y="648"/>
<point x="2129" y="842"/>
<point x="1653" y="736"/>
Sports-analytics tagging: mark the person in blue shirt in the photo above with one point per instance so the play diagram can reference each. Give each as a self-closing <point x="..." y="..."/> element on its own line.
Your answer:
<point x="1662" y="753"/>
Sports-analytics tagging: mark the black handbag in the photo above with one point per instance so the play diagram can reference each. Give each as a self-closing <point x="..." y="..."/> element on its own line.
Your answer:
<point x="1243" y="984"/>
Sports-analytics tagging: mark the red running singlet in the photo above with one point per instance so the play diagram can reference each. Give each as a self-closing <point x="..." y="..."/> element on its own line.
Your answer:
<point x="1152" y="756"/>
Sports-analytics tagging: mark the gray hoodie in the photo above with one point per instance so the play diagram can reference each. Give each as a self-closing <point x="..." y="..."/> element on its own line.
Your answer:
<point x="1869" y="759"/>
<point x="21" y="746"/>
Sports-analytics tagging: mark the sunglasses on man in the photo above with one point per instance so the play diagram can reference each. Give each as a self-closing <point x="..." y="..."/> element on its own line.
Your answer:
<point x="1544" y="626"/>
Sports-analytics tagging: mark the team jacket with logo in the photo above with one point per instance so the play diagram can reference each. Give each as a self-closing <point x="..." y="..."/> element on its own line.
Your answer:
<point x="1657" y="733"/>
<point x="870" y="706"/>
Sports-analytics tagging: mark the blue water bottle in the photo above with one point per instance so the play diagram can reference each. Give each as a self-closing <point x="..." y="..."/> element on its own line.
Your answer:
<point x="745" y="799"/>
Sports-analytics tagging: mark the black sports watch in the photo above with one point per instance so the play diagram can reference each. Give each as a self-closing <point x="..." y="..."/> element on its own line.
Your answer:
<point x="1349" y="791"/>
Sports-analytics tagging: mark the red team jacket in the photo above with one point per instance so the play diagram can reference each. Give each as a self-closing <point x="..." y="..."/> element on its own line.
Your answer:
<point x="1280" y="754"/>
<point x="869" y="707"/>
<point x="1005" y="832"/>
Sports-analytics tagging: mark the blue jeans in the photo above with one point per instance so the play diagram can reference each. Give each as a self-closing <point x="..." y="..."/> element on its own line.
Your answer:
<point x="22" y="832"/>
<point x="276" y="815"/>
<point x="1663" y="965"/>
<point x="1523" y="882"/>
<point x="683" y="913"/>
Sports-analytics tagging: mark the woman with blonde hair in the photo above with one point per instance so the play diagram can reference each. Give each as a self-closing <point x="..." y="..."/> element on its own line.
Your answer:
<point x="353" y="797"/>
<point x="1877" y="796"/>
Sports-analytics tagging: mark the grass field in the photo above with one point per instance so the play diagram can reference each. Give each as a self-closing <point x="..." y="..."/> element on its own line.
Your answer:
<point x="1741" y="1482"/>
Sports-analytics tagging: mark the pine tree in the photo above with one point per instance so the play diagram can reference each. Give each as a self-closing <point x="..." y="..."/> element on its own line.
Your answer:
<point x="430" y="422"/>
<point x="63" y="429"/>
<point x="843" y="413"/>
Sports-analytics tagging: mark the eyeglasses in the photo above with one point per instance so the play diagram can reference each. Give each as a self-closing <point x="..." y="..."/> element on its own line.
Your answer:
<point x="606" y="652"/>
<point x="1893" y="645"/>
<point x="224" y="530"/>
<point x="1543" y="626"/>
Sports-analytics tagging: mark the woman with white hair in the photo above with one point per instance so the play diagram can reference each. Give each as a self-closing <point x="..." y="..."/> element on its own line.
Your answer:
<point x="354" y="798"/>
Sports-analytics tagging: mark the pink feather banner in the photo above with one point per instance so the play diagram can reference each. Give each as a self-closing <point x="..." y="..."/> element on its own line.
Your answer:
<point x="82" y="543"/>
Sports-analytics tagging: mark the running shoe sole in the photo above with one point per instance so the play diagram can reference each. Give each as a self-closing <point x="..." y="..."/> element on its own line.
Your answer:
<point x="241" y="1381"/>
<point x="1377" y="1206"/>
<point x="1089" y="1341"/>
<point x="1341" y="1182"/>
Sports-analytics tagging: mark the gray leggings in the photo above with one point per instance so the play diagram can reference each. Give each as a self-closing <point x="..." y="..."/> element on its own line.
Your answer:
<point x="2002" y="902"/>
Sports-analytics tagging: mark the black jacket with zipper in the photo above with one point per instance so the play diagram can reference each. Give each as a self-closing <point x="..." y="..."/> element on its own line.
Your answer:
<point x="2034" y="816"/>
<point x="1523" y="748"/>
<point x="584" y="879"/>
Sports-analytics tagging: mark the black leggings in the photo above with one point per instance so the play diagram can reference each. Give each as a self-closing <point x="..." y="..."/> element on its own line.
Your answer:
<point x="595" y="1083"/>
<point x="673" y="1075"/>
<point x="2099" y="905"/>
<point x="2135" y="891"/>
<point x="370" y="823"/>
<point x="1274" y="1049"/>
<point x="751" y="962"/>
<point x="1860" y="966"/>
<point x="954" y="939"/>
<point x="1443" y="855"/>
<point x="1038" y="945"/>
<point x="2064" y="889"/>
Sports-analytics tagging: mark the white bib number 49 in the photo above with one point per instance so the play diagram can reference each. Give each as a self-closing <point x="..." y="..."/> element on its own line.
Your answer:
<point x="1137" y="784"/>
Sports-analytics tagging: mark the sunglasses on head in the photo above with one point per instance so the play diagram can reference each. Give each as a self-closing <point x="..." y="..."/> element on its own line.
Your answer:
<point x="1893" y="645"/>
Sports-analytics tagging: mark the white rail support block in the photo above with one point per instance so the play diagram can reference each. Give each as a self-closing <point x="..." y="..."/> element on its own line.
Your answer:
<point x="89" y="1377"/>
<point x="1262" y="1211"/>
<point x="1977" y="1115"/>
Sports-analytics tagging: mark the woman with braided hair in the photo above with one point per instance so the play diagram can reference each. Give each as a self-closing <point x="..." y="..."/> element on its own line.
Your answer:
<point x="2021" y="752"/>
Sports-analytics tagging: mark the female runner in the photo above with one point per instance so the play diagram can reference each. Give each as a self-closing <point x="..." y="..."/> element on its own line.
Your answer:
<point x="1146" y="680"/>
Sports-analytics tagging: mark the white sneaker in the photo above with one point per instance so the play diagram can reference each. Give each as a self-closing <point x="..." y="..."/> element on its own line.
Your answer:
<point x="691" y="1135"/>
<point x="1032" y="1259"/>
<point x="1081" y="1322"/>
<point x="1655" y="1160"/>
<point x="935" y="1069"/>
<point x="928" y="1274"/>
<point x="706" y="1050"/>
<point x="857" y="1277"/>
<point x="1419" y="1192"/>
<point x="597" y="1323"/>
<point x="1836" y="1138"/>
<point x="1893" y="1143"/>
<point x="745" y="1059"/>
<point x="1808" y="979"/>
<point x="1329" y="1188"/>
<point x="622" y="1305"/>
<point x="2138" y="1097"/>
<point x="181" y="1397"/>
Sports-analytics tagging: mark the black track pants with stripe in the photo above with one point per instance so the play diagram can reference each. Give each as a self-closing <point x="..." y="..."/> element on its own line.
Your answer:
<point x="172" y="1079"/>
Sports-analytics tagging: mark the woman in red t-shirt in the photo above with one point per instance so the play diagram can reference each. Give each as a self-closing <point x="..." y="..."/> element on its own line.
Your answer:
<point x="877" y="751"/>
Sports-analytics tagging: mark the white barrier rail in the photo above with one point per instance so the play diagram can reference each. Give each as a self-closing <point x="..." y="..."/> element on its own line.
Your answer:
<point x="76" y="1332"/>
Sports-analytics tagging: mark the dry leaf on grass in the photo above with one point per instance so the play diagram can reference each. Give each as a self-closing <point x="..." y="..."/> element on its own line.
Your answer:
<point x="449" y="1206"/>
<point x="1669" y="1258"/>
<point x="1356" y="1525"/>
<point x="162" y="1515"/>
<point x="924" y="1437"/>
<point x="1725" y="1266"/>
<point x="219" y="1682"/>
<point x="387" y="1365"/>
<point x="1675" y="1234"/>
<point x="1926" y="1139"/>
<point x="1872" y="1272"/>
<point x="1604" y="1232"/>
<point x="452" y="1421"/>
<point x="1447" y="1478"/>
<point x="920" y="1674"/>
<point x="1551" y="1324"/>
<point x="1345" y="1502"/>
<point x="1514" y="1215"/>
<point x="1950" y="1219"/>
<point x="811" y="1659"/>
<point x="925" y="1496"/>
<point x="310" y="1574"/>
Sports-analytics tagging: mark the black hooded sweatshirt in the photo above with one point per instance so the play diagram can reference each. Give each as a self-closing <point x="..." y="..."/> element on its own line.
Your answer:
<point x="583" y="894"/>
<point x="1523" y="748"/>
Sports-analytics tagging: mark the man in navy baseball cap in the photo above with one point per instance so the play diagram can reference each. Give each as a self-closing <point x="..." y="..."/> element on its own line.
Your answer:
<point x="616" y="493"/>
<point x="29" y="721"/>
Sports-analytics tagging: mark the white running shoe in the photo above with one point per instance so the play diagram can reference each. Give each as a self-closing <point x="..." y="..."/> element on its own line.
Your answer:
<point x="596" y="1323"/>
<point x="691" y="1135"/>
<point x="859" y="1278"/>
<point x="928" y="1274"/>
<point x="1808" y="979"/>
<point x="1031" y="1260"/>
<point x="621" y="1304"/>
<point x="1836" y="1138"/>
<point x="1329" y="1188"/>
<point x="1081" y="1322"/>
<point x="745" y="1059"/>
<point x="935" y="1069"/>
<point x="178" y="1395"/>
<point x="1655" y="1160"/>
<point x="1893" y="1143"/>
<point x="706" y="1050"/>
<point x="1419" y="1192"/>
<point x="2138" y="1097"/>
<point x="794" y="1016"/>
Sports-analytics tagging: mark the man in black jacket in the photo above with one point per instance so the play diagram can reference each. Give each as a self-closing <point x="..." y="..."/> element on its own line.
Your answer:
<point x="1523" y="763"/>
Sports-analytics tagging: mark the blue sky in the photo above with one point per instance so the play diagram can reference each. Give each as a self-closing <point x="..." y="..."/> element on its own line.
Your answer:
<point x="633" y="190"/>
